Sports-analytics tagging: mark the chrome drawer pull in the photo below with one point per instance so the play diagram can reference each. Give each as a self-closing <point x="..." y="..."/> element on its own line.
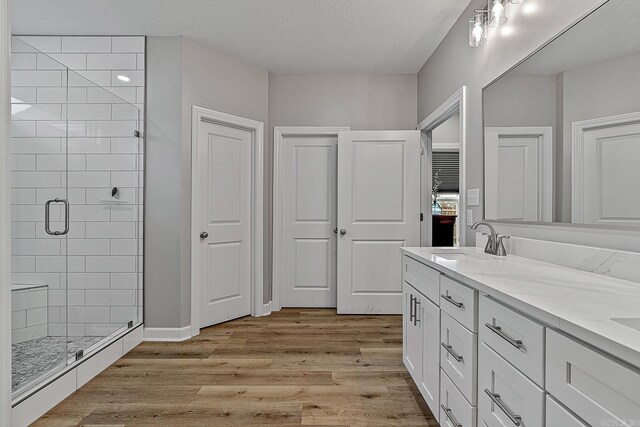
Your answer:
<point x="449" y="415"/>
<point x="515" y="419"/>
<point x="452" y="352"/>
<point x="498" y="330"/>
<point x="415" y="311"/>
<point x="452" y="301"/>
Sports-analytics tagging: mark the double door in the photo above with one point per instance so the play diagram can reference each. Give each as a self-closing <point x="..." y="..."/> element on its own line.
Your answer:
<point x="346" y="201"/>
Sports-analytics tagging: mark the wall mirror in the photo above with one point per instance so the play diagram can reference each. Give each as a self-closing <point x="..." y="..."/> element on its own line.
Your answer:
<point x="562" y="129"/>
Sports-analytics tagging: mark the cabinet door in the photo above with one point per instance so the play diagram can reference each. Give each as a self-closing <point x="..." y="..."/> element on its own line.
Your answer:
<point x="411" y="335"/>
<point x="429" y="385"/>
<point x="598" y="389"/>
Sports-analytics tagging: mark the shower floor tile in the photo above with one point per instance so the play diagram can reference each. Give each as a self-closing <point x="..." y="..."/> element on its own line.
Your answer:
<point x="31" y="359"/>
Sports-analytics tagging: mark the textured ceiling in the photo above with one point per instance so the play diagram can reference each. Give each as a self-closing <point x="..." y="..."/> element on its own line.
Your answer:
<point x="360" y="36"/>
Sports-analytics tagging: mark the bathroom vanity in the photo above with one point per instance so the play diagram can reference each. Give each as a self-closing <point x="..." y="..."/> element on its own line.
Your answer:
<point x="512" y="341"/>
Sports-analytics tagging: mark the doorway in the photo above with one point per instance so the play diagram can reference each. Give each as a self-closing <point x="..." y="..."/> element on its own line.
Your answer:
<point x="226" y="209"/>
<point x="443" y="198"/>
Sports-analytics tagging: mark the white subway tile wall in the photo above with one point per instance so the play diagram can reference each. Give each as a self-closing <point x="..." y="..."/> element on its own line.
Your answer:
<point x="28" y="313"/>
<point x="93" y="276"/>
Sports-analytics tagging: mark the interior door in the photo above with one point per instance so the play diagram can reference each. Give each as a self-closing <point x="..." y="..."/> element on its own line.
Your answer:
<point x="518" y="171"/>
<point x="224" y="174"/>
<point x="606" y="153"/>
<point x="378" y="213"/>
<point x="309" y="217"/>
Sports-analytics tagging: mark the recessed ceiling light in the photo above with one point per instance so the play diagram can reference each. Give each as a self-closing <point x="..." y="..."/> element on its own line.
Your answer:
<point x="123" y="78"/>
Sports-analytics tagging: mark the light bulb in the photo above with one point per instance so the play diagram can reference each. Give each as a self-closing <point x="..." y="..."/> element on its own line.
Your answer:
<point x="477" y="33"/>
<point x="497" y="12"/>
<point x="478" y="29"/>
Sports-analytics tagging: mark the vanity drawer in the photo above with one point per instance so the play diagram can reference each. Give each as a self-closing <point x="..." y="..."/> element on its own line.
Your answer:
<point x="558" y="416"/>
<point x="513" y="336"/>
<point x="459" y="301"/>
<point x="455" y="411"/>
<point x="506" y="395"/>
<point x="425" y="279"/>
<point x="458" y="358"/>
<point x="589" y="383"/>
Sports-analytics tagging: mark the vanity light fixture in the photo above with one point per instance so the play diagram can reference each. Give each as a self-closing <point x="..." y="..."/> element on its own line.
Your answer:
<point x="478" y="28"/>
<point x="493" y="16"/>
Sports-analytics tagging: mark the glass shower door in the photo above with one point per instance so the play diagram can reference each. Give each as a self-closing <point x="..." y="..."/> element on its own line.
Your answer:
<point x="104" y="156"/>
<point x="40" y="217"/>
<point x="77" y="183"/>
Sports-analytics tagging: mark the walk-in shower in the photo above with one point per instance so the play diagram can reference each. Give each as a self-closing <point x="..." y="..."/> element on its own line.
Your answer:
<point x="77" y="179"/>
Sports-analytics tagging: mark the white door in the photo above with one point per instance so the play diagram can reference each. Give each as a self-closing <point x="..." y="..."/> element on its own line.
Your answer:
<point x="519" y="173"/>
<point x="308" y="187"/>
<point x="606" y="155"/>
<point x="224" y="175"/>
<point x="378" y="213"/>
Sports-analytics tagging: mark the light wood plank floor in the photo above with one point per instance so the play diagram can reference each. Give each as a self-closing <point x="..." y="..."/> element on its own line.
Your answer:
<point x="295" y="367"/>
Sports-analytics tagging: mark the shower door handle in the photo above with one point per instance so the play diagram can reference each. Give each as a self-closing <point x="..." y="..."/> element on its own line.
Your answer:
<point x="47" y="207"/>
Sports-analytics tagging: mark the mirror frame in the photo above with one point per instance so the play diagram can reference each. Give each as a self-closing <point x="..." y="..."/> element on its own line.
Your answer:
<point x="552" y="224"/>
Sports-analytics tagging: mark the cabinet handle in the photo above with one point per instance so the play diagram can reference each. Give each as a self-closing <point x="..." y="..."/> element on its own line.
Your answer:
<point x="452" y="301"/>
<point x="452" y="352"/>
<point x="498" y="331"/>
<point x="515" y="419"/>
<point x="415" y="311"/>
<point x="449" y="415"/>
<point x="411" y="308"/>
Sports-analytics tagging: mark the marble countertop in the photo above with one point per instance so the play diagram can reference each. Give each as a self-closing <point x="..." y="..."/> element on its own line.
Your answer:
<point x="579" y="303"/>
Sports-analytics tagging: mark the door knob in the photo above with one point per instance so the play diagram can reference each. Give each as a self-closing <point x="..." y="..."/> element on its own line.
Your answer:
<point x="343" y="231"/>
<point x="335" y="230"/>
<point x="204" y="235"/>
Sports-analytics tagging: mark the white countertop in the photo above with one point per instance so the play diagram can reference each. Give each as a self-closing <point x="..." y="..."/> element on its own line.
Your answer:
<point x="579" y="303"/>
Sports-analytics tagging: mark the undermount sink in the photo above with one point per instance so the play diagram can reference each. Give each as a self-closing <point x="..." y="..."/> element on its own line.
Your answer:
<point x="455" y="254"/>
<point x="631" y="322"/>
<point x="451" y="256"/>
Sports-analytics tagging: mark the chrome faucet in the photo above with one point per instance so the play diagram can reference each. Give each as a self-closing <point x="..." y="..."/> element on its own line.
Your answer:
<point x="494" y="244"/>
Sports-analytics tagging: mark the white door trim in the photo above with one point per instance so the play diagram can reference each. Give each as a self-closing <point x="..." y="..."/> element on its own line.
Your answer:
<point x="5" y="224"/>
<point x="457" y="103"/>
<point x="545" y="172"/>
<point x="200" y="114"/>
<point x="279" y="134"/>
<point x="577" y="155"/>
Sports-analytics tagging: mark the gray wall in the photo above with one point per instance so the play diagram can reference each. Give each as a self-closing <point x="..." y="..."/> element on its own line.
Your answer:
<point x="182" y="73"/>
<point x="521" y="100"/>
<point x="455" y="64"/>
<point x="447" y="133"/>
<point x="361" y="101"/>
<point x="162" y="296"/>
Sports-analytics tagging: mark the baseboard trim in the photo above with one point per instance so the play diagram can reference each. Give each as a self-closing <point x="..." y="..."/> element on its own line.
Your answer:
<point x="266" y="309"/>
<point x="167" y="334"/>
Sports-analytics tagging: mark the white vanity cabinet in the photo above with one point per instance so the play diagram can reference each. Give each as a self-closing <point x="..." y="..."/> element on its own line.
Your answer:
<point x="478" y="360"/>
<point x="421" y="330"/>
